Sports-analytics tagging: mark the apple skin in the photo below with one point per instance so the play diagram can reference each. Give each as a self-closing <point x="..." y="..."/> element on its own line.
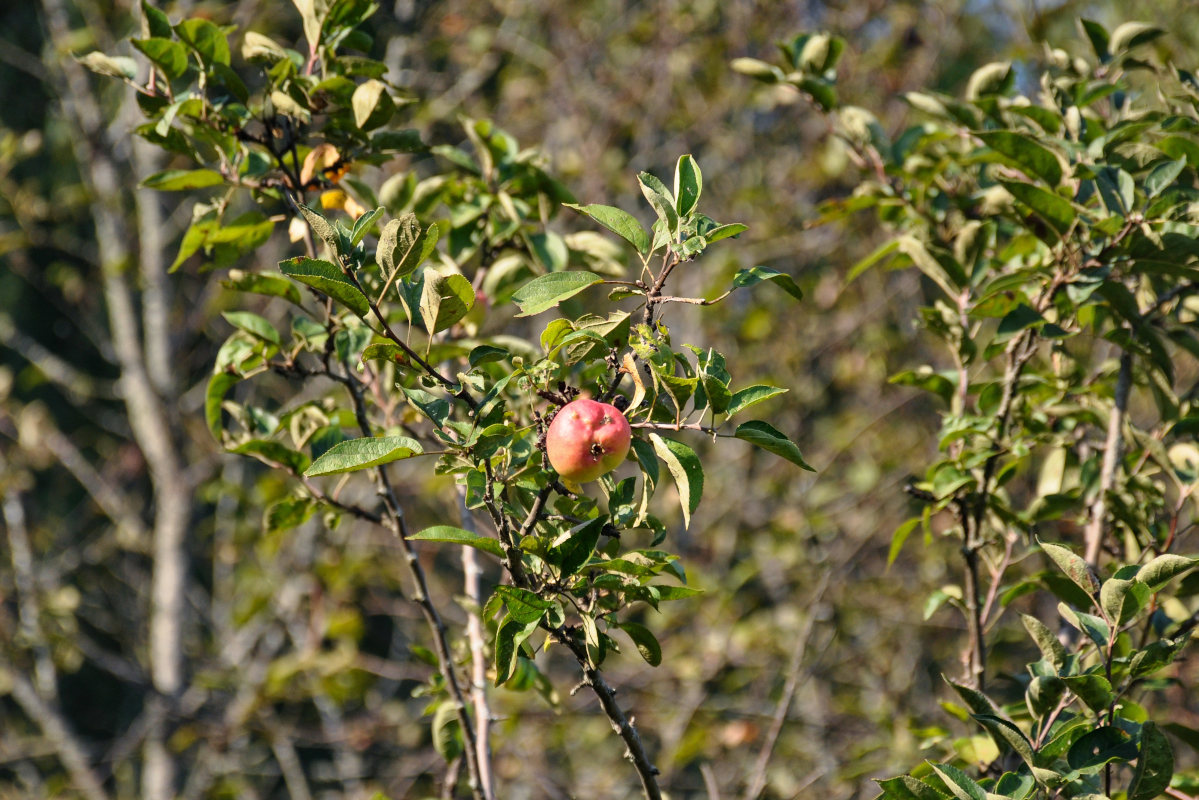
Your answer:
<point x="587" y="439"/>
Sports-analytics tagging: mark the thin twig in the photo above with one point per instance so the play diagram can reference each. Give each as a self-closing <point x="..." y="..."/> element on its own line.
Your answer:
<point x="757" y="778"/>
<point x="394" y="520"/>
<point x="621" y="723"/>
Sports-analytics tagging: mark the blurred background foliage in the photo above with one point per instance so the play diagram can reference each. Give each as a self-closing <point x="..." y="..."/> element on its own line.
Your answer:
<point x="305" y="639"/>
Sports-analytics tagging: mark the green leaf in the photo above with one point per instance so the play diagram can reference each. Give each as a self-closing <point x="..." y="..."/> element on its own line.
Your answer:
<point x="1163" y="176"/>
<point x="165" y="53"/>
<point x="363" y="224"/>
<point x="1163" y="569"/>
<point x="218" y="386"/>
<point x="1052" y="208"/>
<point x="1132" y="34"/>
<point x="326" y="278"/>
<point x="1121" y="600"/>
<point x="1155" y="765"/>
<point x="523" y="606"/>
<point x="1101" y="746"/>
<point x="766" y="436"/>
<point x="686" y="470"/>
<point x="372" y="105"/>
<point x="356" y="454"/>
<point x="725" y="232"/>
<point x="572" y="552"/>
<point x="546" y="291"/>
<point x="962" y="785"/>
<point x="1024" y="152"/>
<point x="1051" y="648"/>
<point x="509" y="636"/>
<point x="451" y="535"/>
<point x="321" y="227"/>
<point x="206" y="39"/>
<point x="1016" y="321"/>
<point x="1009" y="734"/>
<point x="1095" y="628"/>
<point x="403" y="246"/>
<point x="1094" y="690"/>
<point x="978" y="702"/>
<point x="312" y="23"/>
<point x="879" y="253"/>
<point x="754" y="275"/>
<point x="751" y="395"/>
<point x="273" y="453"/>
<point x="382" y="351"/>
<point x="156" y="23"/>
<point x="263" y="283"/>
<point x="659" y="198"/>
<point x="620" y="222"/>
<point x="676" y="592"/>
<point x="405" y="141"/>
<point x="899" y="537"/>
<point x="177" y="180"/>
<point x="287" y="514"/>
<point x="1073" y="565"/>
<point x="688" y="183"/>
<point x="486" y="354"/>
<point x="1157" y="655"/>
<point x="646" y="643"/>
<point x="109" y="66"/>
<point x="905" y="787"/>
<point x="447" y="732"/>
<point x="257" y="47"/>
<point x="445" y="299"/>
<point x="936" y="271"/>
<point x="1098" y="37"/>
<point x="253" y="325"/>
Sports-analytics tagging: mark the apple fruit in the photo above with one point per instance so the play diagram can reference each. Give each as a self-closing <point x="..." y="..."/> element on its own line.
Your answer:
<point x="587" y="439"/>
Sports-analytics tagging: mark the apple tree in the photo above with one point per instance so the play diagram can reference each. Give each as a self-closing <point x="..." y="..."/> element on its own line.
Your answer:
<point x="431" y="312"/>
<point x="1051" y="212"/>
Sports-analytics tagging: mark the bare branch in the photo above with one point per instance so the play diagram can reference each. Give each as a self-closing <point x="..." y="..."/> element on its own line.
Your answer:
<point x="54" y="727"/>
<point x="471" y="574"/>
<point x="27" y="601"/>
<point x="1111" y="460"/>
<point x="145" y="409"/>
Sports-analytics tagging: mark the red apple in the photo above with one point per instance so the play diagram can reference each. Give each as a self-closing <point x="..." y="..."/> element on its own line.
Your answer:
<point x="587" y="439"/>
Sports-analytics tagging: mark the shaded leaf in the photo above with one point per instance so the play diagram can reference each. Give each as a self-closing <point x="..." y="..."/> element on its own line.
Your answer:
<point x="766" y="436"/>
<point x="1052" y="208"/>
<point x="1023" y="151"/>
<point x="1051" y="648"/>
<point x="1155" y="765"/>
<point x="645" y="641"/>
<point x="753" y="275"/>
